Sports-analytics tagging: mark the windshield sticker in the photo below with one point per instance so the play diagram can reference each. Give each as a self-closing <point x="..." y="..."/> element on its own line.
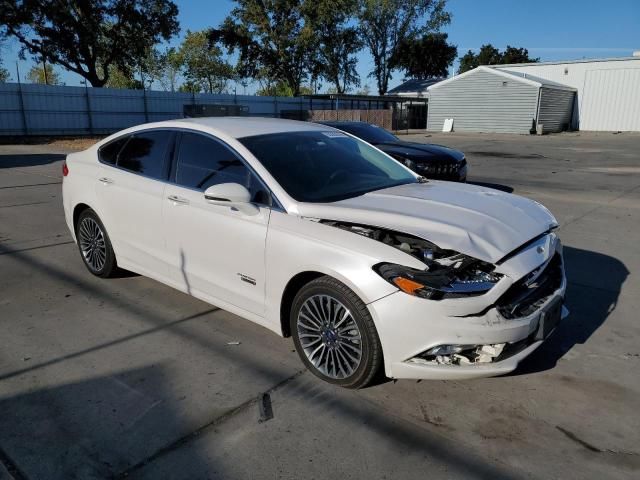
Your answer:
<point x="335" y="134"/>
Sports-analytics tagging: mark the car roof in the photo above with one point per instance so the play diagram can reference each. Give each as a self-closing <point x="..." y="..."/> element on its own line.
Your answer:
<point x="345" y="123"/>
<point x="239" y="127"/>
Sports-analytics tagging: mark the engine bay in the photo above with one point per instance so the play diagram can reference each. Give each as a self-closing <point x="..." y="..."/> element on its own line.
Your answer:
<point x="452" y="273"/>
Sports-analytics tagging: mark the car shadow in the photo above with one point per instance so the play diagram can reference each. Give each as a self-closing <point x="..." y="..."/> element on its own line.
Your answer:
<point x="594" y="282"/>
<point x="115" y="423"/>
<point x="29" y="160"/>
<point x="98" y="427"/>
<point x="495" y="186"/>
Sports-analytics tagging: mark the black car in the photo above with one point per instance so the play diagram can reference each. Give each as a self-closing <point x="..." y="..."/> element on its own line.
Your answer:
<point x="432" y="161"/>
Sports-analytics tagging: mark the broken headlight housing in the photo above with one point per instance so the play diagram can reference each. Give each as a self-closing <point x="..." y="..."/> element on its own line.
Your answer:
<point x="449" y="274"/>
<point x="453" y="276"/>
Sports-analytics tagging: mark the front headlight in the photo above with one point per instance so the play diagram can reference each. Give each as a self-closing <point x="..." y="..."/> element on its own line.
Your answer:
<point x="450" y="277"/>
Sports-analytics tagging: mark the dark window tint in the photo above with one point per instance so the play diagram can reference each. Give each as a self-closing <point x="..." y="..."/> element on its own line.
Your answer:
<point x="203" y="162"/>
<point x="326" y="166"/>
<point x="109" y="152"/>
<point x="368" y="133"/>
<point x="145" y="152"/>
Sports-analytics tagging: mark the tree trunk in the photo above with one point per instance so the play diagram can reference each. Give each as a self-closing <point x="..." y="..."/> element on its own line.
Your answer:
<point x="94" y="80"/>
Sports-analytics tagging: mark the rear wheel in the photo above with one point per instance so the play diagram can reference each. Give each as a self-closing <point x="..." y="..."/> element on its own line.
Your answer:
<point x="94" y="245"/>
<point x="334" y="334"/>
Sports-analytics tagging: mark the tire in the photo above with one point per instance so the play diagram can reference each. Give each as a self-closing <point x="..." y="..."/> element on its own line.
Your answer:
<point x="325" y="316"/>
<point x="94" y="245"/>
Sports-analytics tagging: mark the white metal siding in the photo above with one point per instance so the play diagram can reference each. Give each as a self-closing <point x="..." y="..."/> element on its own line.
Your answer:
<point x="594" y="85"/>
<point x="484" y="102"/>
<point x="555" y="109"/>
<point x="611" y="100"/>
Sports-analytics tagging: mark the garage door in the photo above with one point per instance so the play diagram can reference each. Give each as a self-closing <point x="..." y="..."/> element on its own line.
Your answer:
<point x="611" y="100"/>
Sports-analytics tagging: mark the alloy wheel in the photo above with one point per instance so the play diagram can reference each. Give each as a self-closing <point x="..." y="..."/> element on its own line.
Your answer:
<point x="329" y="336"/>
<point x="92" y="244"/>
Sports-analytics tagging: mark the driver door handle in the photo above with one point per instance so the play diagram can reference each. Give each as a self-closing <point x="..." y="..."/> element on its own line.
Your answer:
<point x="105" y="180"/>
<point x="177" y="199"/>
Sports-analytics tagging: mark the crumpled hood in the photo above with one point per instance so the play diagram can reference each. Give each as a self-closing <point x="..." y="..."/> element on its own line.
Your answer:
<point x="481" y="222"/>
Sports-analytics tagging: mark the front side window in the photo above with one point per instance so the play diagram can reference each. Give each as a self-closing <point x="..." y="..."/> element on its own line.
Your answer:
<point x="203" y="162"/>
<point x="325" y="166"/>
<point x="109" y="153"/>
<point x="145" y="153"/>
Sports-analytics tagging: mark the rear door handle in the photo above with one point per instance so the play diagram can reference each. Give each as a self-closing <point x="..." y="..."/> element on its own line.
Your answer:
<point x="105" y="180"/>
<point x="177" y="199"/>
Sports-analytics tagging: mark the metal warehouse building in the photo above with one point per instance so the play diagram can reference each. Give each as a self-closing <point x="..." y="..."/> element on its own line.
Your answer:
<point x="608" y="90"/>
<point x="490" y="100"/>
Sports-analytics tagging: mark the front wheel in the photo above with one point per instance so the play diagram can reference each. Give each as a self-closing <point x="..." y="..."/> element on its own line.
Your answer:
<point x="334" y="334"/>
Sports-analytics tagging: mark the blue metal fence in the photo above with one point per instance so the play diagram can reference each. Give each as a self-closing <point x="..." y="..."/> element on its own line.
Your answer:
<point x="28" y="109"/>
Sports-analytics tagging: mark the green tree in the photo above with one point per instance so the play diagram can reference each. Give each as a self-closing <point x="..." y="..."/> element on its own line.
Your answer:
<point x="189" y="87"/>
<point x="170" y="68"/>
<point x="282" y="89"/>
<point x="272" y="41"/>
<point x="490" y="55"/>
<point x="517" y="55"/>
<point x="277" y="89"/>
<point x="385" y="24"/>
<point x="150" y="67"/>
<point x="425" y="57"/>
<point x="44" y="76"/>
<point x="121" y="79"/>
<point x="4" y="73"/>
<point x="88" y="37"/>
<point x="203" y="63"/>
<point x="366" y="90"/>
<point x="336" y="41"/>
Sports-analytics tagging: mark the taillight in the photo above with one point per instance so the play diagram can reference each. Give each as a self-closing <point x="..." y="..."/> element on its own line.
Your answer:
<point x="65" y="169"/>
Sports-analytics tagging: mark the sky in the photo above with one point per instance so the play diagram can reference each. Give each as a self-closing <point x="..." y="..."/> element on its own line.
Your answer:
<point x="550" y="29"/>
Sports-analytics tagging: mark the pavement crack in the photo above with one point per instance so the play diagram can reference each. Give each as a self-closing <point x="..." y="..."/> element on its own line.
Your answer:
<point x="572" y="436"/>
<point x="30" y="185"/>
<point x="212" y="423"/>
<point x="584" y="285"/>
<point x="9" y="251"/>
<point x="21" y="204"/>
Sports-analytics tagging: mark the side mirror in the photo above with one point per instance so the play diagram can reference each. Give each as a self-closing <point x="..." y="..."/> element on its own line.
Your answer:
<point x="231" y="195"/>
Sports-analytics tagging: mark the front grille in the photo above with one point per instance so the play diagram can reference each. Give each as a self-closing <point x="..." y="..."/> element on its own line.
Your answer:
<point x="525" y="296"/>
<point x="441" y="170"/>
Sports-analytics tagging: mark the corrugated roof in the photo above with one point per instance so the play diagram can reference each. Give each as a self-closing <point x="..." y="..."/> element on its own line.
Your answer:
<point x="562" y="62"/>
<point x="415" y="85"/>
<point x="517" y="76"/>
<point x="542" y="81"/>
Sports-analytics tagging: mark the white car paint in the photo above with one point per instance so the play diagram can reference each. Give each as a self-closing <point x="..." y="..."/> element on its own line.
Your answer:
<point x="174" y="235"/>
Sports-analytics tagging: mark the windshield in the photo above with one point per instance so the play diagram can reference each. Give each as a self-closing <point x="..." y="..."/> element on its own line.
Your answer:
<point x="325" y="166"/>
<point x="368" y="133"/>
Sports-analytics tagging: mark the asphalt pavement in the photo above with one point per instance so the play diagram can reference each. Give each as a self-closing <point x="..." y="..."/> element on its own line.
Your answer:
<point x="129" y="378"/>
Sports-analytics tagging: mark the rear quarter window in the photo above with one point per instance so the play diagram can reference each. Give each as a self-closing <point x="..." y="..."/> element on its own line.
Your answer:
<point x="145" y="153"/>
<point x="109" y="153"/>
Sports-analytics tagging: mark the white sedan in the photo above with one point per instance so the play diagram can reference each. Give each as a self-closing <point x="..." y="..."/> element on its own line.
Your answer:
<point x="315" y="234"/>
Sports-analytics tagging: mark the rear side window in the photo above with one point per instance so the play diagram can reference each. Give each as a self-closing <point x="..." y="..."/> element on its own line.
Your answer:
<point x="109" y="152"/>
<point x="203" y="162"/>
<point x="145" y="153"/>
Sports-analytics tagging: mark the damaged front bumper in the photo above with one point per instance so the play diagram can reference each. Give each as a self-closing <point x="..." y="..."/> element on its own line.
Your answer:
<point x="424" y="339"/>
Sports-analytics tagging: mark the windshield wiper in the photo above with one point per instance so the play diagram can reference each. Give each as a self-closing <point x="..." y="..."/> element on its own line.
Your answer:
<point x="422" y="179"/>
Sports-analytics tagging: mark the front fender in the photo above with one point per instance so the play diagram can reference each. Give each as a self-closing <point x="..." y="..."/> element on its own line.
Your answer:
<point x="296" y="245"/>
